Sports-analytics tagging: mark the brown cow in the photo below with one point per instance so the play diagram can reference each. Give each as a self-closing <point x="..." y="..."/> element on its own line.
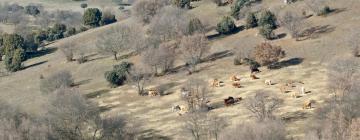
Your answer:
<point x="236" y="84"/>
<point x="153" y="92"/>
<point x="235" y="78"/>
<point x="231" y="100"/>
<point x="215" y="83"/>
<point x="307" y="104"/>
<point x="252" y="76"/>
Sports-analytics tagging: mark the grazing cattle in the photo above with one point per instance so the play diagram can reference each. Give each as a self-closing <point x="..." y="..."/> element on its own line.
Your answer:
<point x="153" y="92"/>
<point x="252" y="76"/>
<point x="231" y="100"/>
<point x="235" y="78"/>
<point x="215" y="83"/>
<point x="183" y="110"/>
<point x="268" y="82"/>
<point x="307" y="104"/>
<point x="236" y="84"/>
<point x="254" y="69"/>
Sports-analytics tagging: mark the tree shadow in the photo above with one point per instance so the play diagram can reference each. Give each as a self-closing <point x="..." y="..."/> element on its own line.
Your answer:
<point x="162" y="89"/>
<point x="335" y="11"/>
<point x="219" y="35"/>
<point x="293" y="116"/>
<point x="82" y="82"/>
<point x="97" y="58"/>
<point x="286" y="63"/>
<point x="96" y="93"/>
<point x="280" y="36"/>
<point x="35" y="64"/>
<point x="151" y="134"/>
<point x="315" y="32"/>
<point x="40" y="53"/>
<point x="218" y="55"/>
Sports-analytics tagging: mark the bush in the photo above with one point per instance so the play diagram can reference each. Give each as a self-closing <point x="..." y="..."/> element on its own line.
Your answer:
<point x="68" y="51"/>
<point x="117" y="76"/>
<point x="71" y="31"/>
<point x="195" y="26"/>
<point x="92" y="17"/>
<point x="251" y="21"/>
<point x="324" y="11"/>
<point x="61" y="79"/>
<point x="267" y="54"/>
<point x="267" y="19"/>
<point x="40" y="36"/>
<point x="266" y="31"/>
<point x="32" y="10"/>
<point x="13" y="61"/>
<point x="83" y="5"/>
<point x="30" y="42"/>
<point x="107" y="18"/>
<point x="226" y="26"/>
<point x="182" y="3"/>
<point x="239" y="4"/>
<point x="83" y="29"/>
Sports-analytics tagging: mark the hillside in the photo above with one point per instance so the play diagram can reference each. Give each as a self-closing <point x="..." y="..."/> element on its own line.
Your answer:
<point x="154" y="113"/>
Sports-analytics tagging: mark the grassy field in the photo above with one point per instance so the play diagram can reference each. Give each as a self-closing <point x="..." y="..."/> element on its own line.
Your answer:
<point x="154" y="113"/>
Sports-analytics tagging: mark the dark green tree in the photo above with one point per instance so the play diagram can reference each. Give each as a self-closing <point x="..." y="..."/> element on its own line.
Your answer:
<point x="92" y="17"/>
<point x="251" y="21"/>
<point x="226" y="25"/>
<point x="267" y="18"/>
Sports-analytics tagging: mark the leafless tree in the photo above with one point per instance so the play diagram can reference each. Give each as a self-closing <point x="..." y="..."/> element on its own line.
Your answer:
<point x="193" y="48"/>
<point x="145" y="10"/>
<point x="57" y="80"/>
<point x="203" y="126"/>
<point x="159" y="58"/>
<point x="123" y="38"/>
<point x="267" y="54"/>
<point x="262" y="106"/>
<point x="68" y="50"/>
<point x="198" y="94"/>
<point x="316" y="5"/>
<point x="268" y="130"/>
<point x="171" y="23"/>
<point x="140" y="78"/>
<point x="293" y="22"/>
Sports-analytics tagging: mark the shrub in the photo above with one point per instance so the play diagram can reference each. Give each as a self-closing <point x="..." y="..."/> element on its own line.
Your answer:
<point x="107" y="18"/>
<point x="13" y="61"/>
<point x="267" y="54"/>
<point x="40" y="36"/>
<point x="251" y="21"/>
<point x="71" y="31"/>
<point x="226" y="26"/>
<point x="195" y="25"/>
<point x="83" y="5"/>
<point x="30" y="42"/>
<point x="145" y="10"/>
<point x="92" y="17"/>
<point x="266" y="31"/>
<point x="83" y="29"/>
<point x="239" y="4"/>
<point x="32" y="10"/>
<point x="117" y="76"/>
<point x="182" y="3"/>
<point x="68" y="51"/>
<point x="324" y="11"/>
<point x="267" y="18"/>
<point x="60" y="79"/>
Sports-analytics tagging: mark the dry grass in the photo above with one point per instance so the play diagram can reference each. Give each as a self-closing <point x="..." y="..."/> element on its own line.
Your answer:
<point x="154" y="113"/>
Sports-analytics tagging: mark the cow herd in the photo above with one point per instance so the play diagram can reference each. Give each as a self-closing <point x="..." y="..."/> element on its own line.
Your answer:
<point x="295" y="87"/>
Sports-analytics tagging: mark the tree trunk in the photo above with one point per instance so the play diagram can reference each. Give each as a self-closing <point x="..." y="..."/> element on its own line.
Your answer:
<point x="115" y="56"/>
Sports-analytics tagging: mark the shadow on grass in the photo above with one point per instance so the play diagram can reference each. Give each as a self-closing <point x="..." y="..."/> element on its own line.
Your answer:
<point x="40" y="53"/>
<point x="82" y="82"/>
<point x="152" y="134"/>
<point x="218" y="35"/>
<point x="164" y="87"/>
<point x="218" y="55"/>
<point x="315" y="32"/>
<point x="96" y="93"/>
<point x="286" y="63"/>
<point x="33" y="65"/>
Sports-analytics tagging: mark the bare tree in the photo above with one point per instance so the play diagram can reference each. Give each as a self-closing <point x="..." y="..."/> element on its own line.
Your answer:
<point x="193" y="48"/>
<point x="123" y="38"/>
<point x="316" y="5"/>
<point x="139" y="77"/>
<point x="267" y="54"/>
<point x="262" y="106"/>
<point x="159" y="58"/>
<point x="68" y="50"/>
<point x="293" y="22"/>
<point x="57" y="80"/>
<point x="198" y="95"/>
<point x="268" y="130"/>
<point x="170" y="24"/>
<point x="145" y="10"/>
